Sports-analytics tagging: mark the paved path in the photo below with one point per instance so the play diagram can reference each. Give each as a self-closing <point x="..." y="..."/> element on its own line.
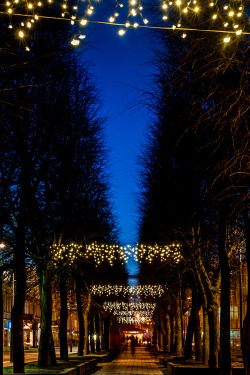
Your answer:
<point x="139" y="363"/>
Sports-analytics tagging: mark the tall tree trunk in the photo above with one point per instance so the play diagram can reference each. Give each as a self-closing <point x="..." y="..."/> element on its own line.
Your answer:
<point x="86" y="323"/>
<point x="197" y="329"/>
<point x="225" y="351"/>
<point x="97" y="327"/>
<point x="92" y="333"/>
<point x="246" y="324"/>
<point x="19" y="300"/>
<point x="46" y="354"/>
<point x="106" y="334"/>
<point x="188" y="349"/>
<point x="80" y="317"/>
<point x="178" y="326"/>
<point x="171" y="320"/>
<point x="206" y="344"/>
<point x="63" y="318"/>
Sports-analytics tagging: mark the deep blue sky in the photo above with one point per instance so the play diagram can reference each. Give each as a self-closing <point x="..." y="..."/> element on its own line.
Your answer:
<point x="121" y="64"/>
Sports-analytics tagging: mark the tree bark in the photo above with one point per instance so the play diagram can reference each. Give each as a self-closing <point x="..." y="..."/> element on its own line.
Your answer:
<point x="63" y="318"/>
<point x="46" y="354"/>
<point x="206" y="344"/>
<point x="19" y="300"/>
<point x="178" y="327"/>
<point x="225" y="350"/>
<point x="246" y="324"/>
<point x="80" y="318"/>
<point x="171" y="320"/>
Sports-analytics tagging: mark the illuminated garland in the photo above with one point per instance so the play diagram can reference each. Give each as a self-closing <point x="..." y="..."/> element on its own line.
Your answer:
<point x="164" y="253"/>
<point x="224" y="16"/>
<point x="130" y="320"/>
<point x="98" y="253"/>
<point x="123" y="290"/>
<point x="137" y="306"/>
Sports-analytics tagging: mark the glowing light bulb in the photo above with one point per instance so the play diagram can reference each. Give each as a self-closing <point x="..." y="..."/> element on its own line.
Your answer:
<point x="10" y="10"/>
<point x="39" y="4"/>
<point x="184" y="36"/>
<point x="164" y="6"/>
<point x="121" y="32"/>
<point x="238" y="32"/>
<point x="185" y="10"/>
<point x="135" y="24"/>
<point x="178" y="2"/>
<point x="145" y="21"/>
<point x="211" y="4"/>
<point x="82" y="36"/>
<point x="133" y="12"/>
<point x="133" y="2"/>
<point x="239" y="14"/>
<point x="75" y="42"/>
<point x="231" y="13"/>
<point x="89" y="11"/>
<point x="21" y="34"/>
<point x="127" y="24"/>
<point x="30" y="6"/>
<point x="214" y="16"/>
<point x="116" y="14"/>
<point x="10" y="27"/>
<point x="226" y="24"/>
<point x="227" y="39"/>
<point x="226" y="7"/>
<point x="29" y="25"/>
<point x="164" y="17"/>
<point x="83" y="22"/>
<point x="8" y="3"/>
<point x="27" y="49"/>
<point x="196" y="9"/>
<point x="36" y="16"/>
<point x="111" y="19"/>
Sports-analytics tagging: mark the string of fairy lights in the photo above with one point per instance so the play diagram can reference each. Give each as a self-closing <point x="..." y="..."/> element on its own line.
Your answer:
<point x="99" y="252"/>
<point x="227" y="17"/>
<point x="132" y="312"/>
<point x="96" y="252"/>
<point x="126" y="291"/>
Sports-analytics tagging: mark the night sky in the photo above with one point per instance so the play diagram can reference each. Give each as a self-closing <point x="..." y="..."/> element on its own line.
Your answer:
<point x="122" y="64"/>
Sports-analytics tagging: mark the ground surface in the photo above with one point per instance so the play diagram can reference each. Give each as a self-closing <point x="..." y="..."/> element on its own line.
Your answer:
<point x="139" y="363"/>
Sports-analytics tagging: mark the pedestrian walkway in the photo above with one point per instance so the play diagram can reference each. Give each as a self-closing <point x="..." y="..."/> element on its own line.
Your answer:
<point x="139" y="363"/>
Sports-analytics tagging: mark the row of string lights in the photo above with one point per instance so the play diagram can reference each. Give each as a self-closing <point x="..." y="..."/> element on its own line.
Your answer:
<point x="109" y="252"/>
<point x="126" y="291"/>
<point x="227" y="17"/>
<point x="131" y="313"/>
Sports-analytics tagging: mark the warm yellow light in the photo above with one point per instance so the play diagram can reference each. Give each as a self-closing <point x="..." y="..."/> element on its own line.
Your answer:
<point x="214" y="16"/>
<point x="30" y="6"/>
<point x="231" y="13"/>
<point x="196" y="9"/>
<point x="111" y="19"/>
<point x="238" y="32"/>
<point x="136" y="24"/>
<point x="239" y="14"/>
<point x="29" y="25"/>
<point x="226" y="24"/>
<point x="184" y="36"/>
<point x="21" y="34"/>
<point x="227" y="39"/>
<point x="89" y="11"/>
<point x="133" y="12"/>
<point x="121" y="32"/>
<point x="164" y="6"/>
<point x="83" y="22"/>
<point x="2" y="245"/>
<point x="133" y="2"/>
<point x="145" y="21"/>
<point x="10" y="10"/>
<point x="185" y="10"/>
<point x="164" y="17"/>
<point x="178" y="2"/>
<point x="211" y="4"/>
<point x="127" y="24"/>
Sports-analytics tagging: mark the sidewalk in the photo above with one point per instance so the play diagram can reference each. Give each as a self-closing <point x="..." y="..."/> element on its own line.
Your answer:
<point x="139" y="363"/>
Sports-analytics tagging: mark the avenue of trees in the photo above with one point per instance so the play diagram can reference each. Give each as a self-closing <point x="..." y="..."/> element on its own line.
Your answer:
<point x="194" y="183"/>
<point x="54" y="187"/>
